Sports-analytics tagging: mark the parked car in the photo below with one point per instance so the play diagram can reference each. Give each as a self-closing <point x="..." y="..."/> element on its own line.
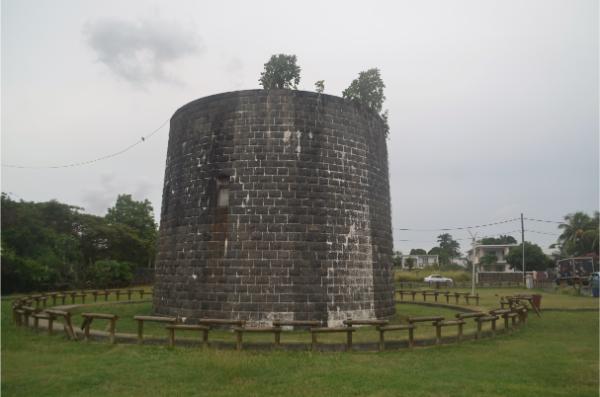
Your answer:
<point x="438" y="279"/>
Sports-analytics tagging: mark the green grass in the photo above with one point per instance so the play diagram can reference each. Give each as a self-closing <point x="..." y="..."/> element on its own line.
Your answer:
<point x="126" y="324"/>
<point x="553" y="356"/>
<point x="490" y="298"/>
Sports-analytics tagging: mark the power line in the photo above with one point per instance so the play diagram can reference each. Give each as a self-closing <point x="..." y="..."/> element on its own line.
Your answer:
<point x="458" y="228"/>
<point x="81" y="163"/>
<point x="469" y="238"/>
<point x="538" y="232"/>
<point x="457" y="239"/>
<point x="542" y="220"/>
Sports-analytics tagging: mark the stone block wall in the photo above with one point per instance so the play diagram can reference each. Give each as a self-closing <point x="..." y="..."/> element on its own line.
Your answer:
<point x="276" y="204"/>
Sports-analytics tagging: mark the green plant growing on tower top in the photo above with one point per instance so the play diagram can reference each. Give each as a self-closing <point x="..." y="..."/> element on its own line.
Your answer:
<point x="281" y="71"/>
<point x="367" y="90"/>
<point x="320" y="86"/>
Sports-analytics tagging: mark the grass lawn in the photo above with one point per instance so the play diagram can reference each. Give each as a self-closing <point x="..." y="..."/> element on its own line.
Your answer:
<point x="553" y="356"/>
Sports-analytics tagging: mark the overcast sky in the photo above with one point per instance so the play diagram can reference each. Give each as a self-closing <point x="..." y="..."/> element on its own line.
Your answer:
<point x="493" y="104"/>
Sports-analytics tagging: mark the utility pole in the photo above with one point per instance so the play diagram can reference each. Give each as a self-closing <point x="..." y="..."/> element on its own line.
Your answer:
<point x="523" y="246"/>
<point x="473" y="243"/>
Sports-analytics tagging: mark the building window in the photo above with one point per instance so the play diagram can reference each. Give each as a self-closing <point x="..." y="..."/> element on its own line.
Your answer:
<point x="223" y="191"/>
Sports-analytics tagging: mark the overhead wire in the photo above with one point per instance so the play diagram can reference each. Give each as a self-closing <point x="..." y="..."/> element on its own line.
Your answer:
<point x="538" y="232"/>
<point x="87" y="162"/>
<point x="148" y="136"/>
<point x="458" y="239"/>
<point x="542" y="220"/>
<point x="459" y="227"/>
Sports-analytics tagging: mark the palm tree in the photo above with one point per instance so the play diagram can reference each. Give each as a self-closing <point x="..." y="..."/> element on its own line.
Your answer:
<point x="579" y="234"/>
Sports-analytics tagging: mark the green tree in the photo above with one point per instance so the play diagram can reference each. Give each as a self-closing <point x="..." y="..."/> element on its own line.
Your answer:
<point x="320" y="86"/>
<point x="409" y="263"/>
<point x="109" y="274"/>
<point x="535" y="259"/>
<point x="418" y="251"/>
<point x="449" y="245"/>
<point x="397" y="259"/>
<point x="138" y="215"/>
<point x="281" y="71"/>
<point x="22" y="274"/>
<point x="101" y="240"/>
<point x="488" y="259"/>
<point x="38" y="246"/>
<point x="580" y="234"/>
<point x="504" y="239"/>
<point x="53" y="245"/>
<point x="367" y="89"/>
<point x="140" y="228"/>
<point x="443" y="256"/>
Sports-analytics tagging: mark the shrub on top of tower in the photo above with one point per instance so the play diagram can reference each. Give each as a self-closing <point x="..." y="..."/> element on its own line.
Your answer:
<point x="367" y="89"/>
<point x="320" y="86"/>
<point x="280" y="71"/>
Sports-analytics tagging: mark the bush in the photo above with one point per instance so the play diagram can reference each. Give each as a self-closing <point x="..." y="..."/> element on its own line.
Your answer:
<point x="24" y="274"/>
<point x="109" y="274"/>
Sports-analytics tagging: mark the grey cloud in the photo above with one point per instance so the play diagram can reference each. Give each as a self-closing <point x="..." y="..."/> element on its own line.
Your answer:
<point x="144" y="188"/>
<point x="140" y="51"/>
<point x="100" y="197"/>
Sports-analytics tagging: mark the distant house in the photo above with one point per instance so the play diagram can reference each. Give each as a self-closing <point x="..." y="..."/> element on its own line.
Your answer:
<point x="499" y="250"/>
<point x="420" y="261"/>
<point x="460" y="262"/>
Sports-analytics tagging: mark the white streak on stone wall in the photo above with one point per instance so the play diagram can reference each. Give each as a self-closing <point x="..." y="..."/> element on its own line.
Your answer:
<point x="358" y="281"/>
<point x="298" y="142"/>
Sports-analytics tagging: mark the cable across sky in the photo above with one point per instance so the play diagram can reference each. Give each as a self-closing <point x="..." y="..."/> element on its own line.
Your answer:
<point x="459" y="227"/>
<point x="460" y="239"/>
<point x="542" y="220"/>
<point x="88" y="162"/>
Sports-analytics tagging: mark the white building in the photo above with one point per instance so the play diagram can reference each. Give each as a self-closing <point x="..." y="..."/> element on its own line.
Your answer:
<point x="460" y="262"/>
<point x="420" y="261"/>
<point x="499" y="250"/>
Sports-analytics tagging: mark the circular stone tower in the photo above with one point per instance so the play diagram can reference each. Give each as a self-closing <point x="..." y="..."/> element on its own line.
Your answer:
<point x="276" y="204"/>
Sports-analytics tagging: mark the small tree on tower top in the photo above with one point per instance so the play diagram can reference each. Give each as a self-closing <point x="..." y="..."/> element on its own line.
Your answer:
<point x="367" y="89"/>
<point x="280" y="71"/>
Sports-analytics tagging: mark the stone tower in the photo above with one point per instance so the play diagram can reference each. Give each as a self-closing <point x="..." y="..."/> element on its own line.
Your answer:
<point x="276" y="204"/>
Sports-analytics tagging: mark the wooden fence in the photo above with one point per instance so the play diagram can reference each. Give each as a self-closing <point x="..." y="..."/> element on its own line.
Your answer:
<point x="30" y="312"/>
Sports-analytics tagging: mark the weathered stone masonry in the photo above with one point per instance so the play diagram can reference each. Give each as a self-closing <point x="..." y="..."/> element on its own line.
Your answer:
<point x="275" y="205"/>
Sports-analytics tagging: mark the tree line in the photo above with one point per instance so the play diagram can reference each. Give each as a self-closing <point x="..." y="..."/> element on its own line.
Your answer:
<point x="580" y="236"/>
<point x="447" y="250"/>
<point x="51" y="245"/>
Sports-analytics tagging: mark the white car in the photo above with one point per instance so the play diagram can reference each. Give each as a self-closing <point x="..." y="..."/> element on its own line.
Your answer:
<point x="437" y="279"/>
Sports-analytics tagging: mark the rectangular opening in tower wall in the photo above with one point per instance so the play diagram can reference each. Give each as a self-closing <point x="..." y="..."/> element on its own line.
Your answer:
<point x="223" y="191"/>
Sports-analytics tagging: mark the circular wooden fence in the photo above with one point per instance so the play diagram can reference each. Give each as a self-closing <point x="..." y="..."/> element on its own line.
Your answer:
<point x="52" y="312"/>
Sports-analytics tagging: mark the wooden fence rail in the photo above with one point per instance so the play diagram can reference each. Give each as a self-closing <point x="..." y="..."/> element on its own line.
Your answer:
<point x="514" y="312"/>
